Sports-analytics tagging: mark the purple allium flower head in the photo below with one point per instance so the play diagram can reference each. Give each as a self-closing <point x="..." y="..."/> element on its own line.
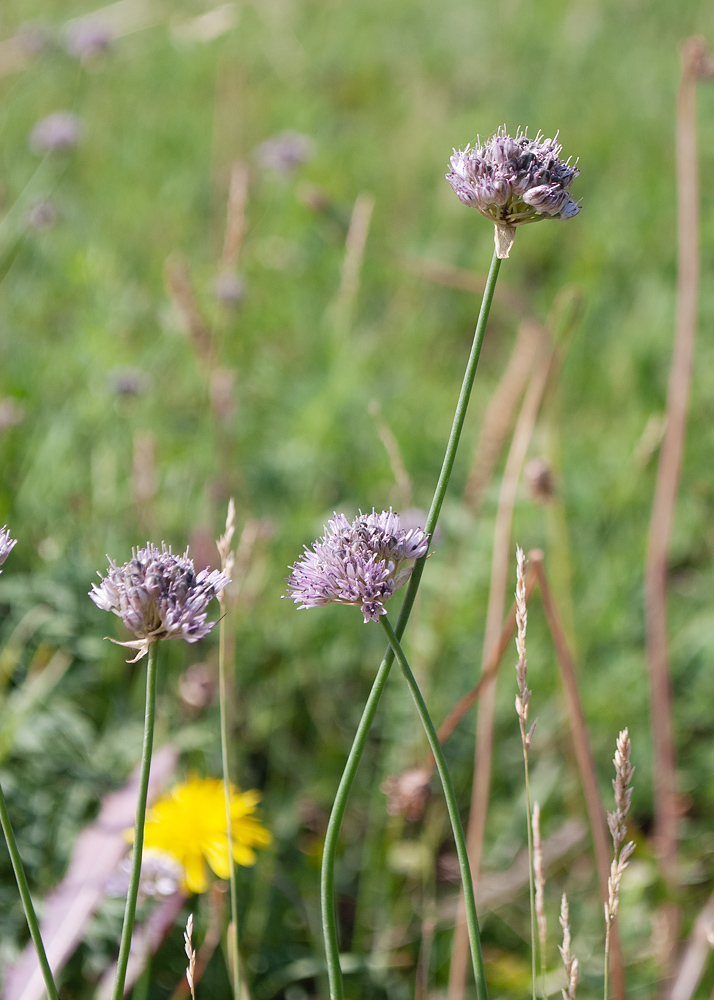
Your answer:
<point x="158" y="595"/>
<point x="284" y="152"/>
<point x="58" y="131"/>
<point x="514" y="181"/>
<point x="7" y="544"/>
<point x="362" y="563"/>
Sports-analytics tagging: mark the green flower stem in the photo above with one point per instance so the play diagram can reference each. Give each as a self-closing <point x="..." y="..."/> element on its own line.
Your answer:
<point x="449" y="795"/>
<point x="329" y="855"/>
<point x="26" y="898"/>
<point x="130" y="910"/>
<point x="233" y="939"/>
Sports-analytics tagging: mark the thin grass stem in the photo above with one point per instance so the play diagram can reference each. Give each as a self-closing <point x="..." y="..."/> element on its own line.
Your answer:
<point x="531" y="884"/>
<point x="451" y="805"/>
<point x="24" y="888"/>
<point x="329" y="921"/>
<point x="233" y="932"/>
<point x="132" y="895"/>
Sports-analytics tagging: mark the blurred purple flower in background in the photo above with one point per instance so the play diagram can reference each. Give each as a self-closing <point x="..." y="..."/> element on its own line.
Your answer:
<point x="363" y="563"/>
<point x="87" y="38"/>
<point x="59" y="131"/>
<point x="42" y="216"/>
<point x="284" y="152"/>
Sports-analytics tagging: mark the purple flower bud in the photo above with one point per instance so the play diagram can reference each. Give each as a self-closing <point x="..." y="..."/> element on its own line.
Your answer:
<point x="362" y="563"/>
<point x="7" y="544"/>
<point x="58" y="131"/>
<point x="159" y="596"/>
<point x="514" y="181"/>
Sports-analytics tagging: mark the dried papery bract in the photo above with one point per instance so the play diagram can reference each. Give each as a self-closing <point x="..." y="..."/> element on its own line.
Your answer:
<point x="569" y="961"/>
<point x="158" y="595"/>
<point x="616" y="821"/>
<point x="514" y="181"/>
<point x="7" y="544"/>
<point x="363" y="563"/>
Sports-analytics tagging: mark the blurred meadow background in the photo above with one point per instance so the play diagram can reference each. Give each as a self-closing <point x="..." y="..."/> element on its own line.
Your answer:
<point x="153" y="365"/>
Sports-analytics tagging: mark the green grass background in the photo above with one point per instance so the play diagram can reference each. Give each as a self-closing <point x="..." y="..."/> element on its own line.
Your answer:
<point x="385" y="90"/>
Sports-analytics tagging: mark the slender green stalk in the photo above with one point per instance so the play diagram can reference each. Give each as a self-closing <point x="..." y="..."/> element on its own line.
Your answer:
<point x="130" y="910"/>
<point x="451" y="805"/>
<point x="26" y="898"/>
<point x="531" y="886"/>
<point x="233" y="939"/>
<point x="329" y="921"/>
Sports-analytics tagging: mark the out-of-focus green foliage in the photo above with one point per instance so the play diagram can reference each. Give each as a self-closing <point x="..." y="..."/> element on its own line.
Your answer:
<point x="384" y="90"/>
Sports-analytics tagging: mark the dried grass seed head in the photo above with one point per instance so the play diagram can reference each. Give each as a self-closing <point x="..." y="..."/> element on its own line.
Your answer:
<point x="514" y="180"/>
<point x="362" y="563"/>
<point x="7" y="544"/>
<point x="159" y="595"/>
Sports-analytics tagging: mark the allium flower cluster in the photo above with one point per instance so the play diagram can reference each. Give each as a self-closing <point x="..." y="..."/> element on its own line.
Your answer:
<point x="158" y="595"/>
<point x="7" y="544"/>
<point x="514" y="181"/>
<point x="362" y="563"/>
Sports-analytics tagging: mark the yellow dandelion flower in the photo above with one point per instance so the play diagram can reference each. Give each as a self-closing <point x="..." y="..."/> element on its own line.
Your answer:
<point x="189" y="823"/>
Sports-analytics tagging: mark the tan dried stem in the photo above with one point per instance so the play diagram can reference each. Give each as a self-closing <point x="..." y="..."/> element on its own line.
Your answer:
<point x="235" y="217"/>
<point x="569" y="961"/>
<point x="539" y="874"/>
<point x="352" y="262"/>
<point x="466" y="281"/>
<point x="396" y="461"/>
<point x="586" y="765"/>
<point x="670" y="462"/>
<point x="178" y="285"/>
<point x="491" y="669"/>
<point x="494" y="616"/>
<point x="500" y="413"/>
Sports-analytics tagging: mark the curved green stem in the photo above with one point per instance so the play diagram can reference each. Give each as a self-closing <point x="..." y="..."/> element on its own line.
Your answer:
<point x="329" y="921"/>
<point x="26" y="898"/>
<point x="453" y="809"/>
<point x="233" y="939"/>
<point x="130" y="909"/>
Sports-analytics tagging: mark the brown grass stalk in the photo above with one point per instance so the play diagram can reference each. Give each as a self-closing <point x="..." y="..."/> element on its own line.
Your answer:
<point x="501" y="412"/>
<point x="695" y="62"/>
<point x="235" y="217"/>
<point x="465" y="281"/>
<point x="394" y="454"/>
<point x="352" y="262"/>
<point x="491" y="669"/>
<point x="694" y="956"/>
<point x="178" y="285"/>
<point x="500" y="570"/>
<point x="586" y="765"/>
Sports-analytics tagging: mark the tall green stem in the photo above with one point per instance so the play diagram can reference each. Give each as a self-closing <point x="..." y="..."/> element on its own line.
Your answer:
<point x="233" y="938"/>
<point x="449" y="795"/>
<point x="26" y="898"/>
<point x="329" y="920"/>
<point x="134" y="878"/>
